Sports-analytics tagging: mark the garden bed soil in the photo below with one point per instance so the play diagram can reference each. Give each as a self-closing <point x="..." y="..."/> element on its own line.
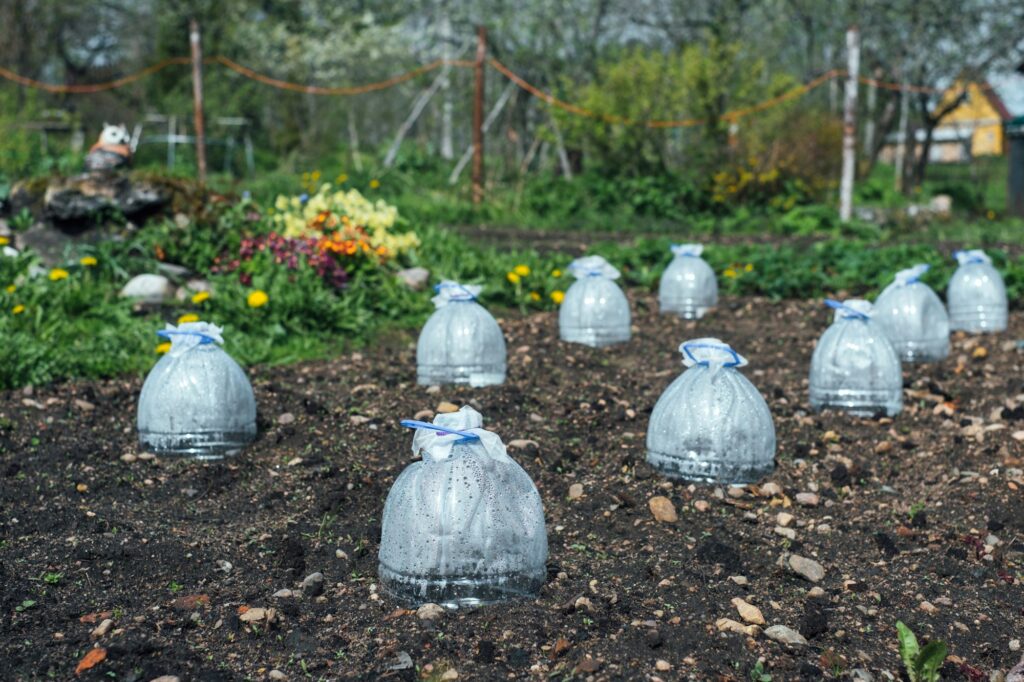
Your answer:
<point x="919" y="519"/>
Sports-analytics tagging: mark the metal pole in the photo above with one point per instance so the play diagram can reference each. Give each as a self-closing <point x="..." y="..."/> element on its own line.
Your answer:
<point x="197" y="96"/>
<point x="478" y="116"/>
<point x="849" y="124"/>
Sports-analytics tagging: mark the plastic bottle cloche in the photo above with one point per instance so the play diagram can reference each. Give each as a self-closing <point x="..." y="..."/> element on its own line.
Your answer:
<point x="461" y="343"/>
<point x="976" y="294"/>
<point x="196" y="401"/>
<point x="688" y="288"/>
<point x="711" y="425"/>
<point x="913" y="317"/>
<point x="854" y="367"/>
<point x="595" y="311"/>
<point x="464" y="526"/>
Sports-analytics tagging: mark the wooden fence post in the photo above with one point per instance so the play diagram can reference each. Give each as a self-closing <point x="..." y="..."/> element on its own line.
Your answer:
<point x="197" y="96"/>
<point x="478" y="116"/>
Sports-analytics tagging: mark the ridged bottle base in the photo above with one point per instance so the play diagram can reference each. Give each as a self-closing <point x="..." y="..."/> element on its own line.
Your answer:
<point x="922" y="351"/>
<point x="706" y="468"/>
<point x="459" y="591"/>
<point x="202" y="446"/>
<point x="976" y="321"/>
<point x="684" y="309"/>
<point x="595" y="338"/>
<point x="858" y="403"/>
<point x="472" y="375"/>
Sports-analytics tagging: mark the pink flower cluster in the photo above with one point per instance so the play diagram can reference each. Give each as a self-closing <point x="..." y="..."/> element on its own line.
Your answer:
<point x="291" y="253"/>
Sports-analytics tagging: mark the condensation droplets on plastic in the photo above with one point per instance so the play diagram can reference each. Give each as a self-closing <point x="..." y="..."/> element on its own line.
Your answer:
<point x="464" y="526"/>
<point x="854" y="367"/>
<point x="976" y="294"/>
<point x="688" y="287"/>
<point x="711" y="425"/>
<point x="196" y="401"/>
<point x="461" y="343"/>
<point x="913" y="317"/>
<point x="595" y="311"/>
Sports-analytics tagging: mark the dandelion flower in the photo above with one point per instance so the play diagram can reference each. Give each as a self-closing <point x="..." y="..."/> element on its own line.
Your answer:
<point x="11" y="288"/>
<point x="521" y="270"/>
<point x="558" y="297"/>
<point x="513" y="277"/>
<point x="188" y="317"/>
<point x="18" y="309"/>
<point x="375" y="183"/>
<point x="257" y="299"/>
<point x="556" y="273"/>
<point x="201" y="296"/>
<point x="730" y="273"/>
<point x="341" y="179"/>
<point x="88" y="261"/>
<point x="4" y="241"/>
<point x="749" y="267"/>
<point x="534" y="296"/>
<point x="58" y="274"/>
<point x="163" y="348"/>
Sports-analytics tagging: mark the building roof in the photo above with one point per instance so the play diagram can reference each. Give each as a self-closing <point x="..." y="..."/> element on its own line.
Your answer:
<point x="995" y="100"/>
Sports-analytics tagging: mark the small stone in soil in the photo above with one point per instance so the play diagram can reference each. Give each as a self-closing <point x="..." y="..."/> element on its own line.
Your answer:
<point x="662" y="665"/>
<point x="285" y="418"/>
<point x="277" y="675"/>
<point x="730" y="625"/>
<point x="785" y="635"/>
<point x="663" y="509"/>
<point x="429" y="612"/>
<point x="748" y="612"/>
<point x="784" y="519"/>
<point x="575" y="491"/>
<point x="444" y="407"/>
<point x="313" y="584"/>
<point x="808" y="569"/>
<point x="807" y="499"/>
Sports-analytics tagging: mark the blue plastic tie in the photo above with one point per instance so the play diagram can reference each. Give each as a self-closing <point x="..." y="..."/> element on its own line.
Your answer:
<point x="438" y="287"/>
<point x="203" y="338"/>
<point x="705" y="363"/>
<point x="416" y="424"/>
<point x="972" y="261"/>
<point x="839" y="305"/>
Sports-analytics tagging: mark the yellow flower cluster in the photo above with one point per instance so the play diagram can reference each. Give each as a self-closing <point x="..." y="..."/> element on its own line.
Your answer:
<point x="296" y="218"/>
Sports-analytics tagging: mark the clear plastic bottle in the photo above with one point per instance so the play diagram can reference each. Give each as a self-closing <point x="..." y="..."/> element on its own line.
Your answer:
<point x="688" y="287"/>
<point x="976" y="295"/>
<point x="913" y="317"/>
<point x="464" y="526"/>
<point x="711" y="425"/>
<point x="594" y="311"/>
<point x="461" y="343"/>
<point x="196" y="401"/>
<point x="854" y="367"/>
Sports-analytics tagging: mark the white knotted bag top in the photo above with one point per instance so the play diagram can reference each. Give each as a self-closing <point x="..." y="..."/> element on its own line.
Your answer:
<point x="852" y="309"/>
<point x="464" y="426"/>
<point x="710" y="352"/>
<point x="448" y="291"/>
<point x="971" y="256"/>
<point x="694" y="250"/>
<point x="189" y="335"/>
<point x="593" y="266"/>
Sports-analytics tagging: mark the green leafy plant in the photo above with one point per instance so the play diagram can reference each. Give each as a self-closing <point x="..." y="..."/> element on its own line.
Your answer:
<point x="25" y="605"/>
<point x="757" y="673"/>
<point x="921" y="663"/>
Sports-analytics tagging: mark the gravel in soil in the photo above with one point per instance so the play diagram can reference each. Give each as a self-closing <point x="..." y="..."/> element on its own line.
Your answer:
<point x="206" y="571"/>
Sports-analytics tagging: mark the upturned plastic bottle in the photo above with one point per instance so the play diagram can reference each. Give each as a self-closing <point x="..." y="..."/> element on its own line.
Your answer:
<point x="461" y="343"/>
<point x="976" y="295"/>
<point x="595" y="311"/>
<point x="854" y="367"/>
<point x="196" y="401"/>
<point x="711" y="425"/>
<point x="688" y="287"/>
<point x="464" y="526"/>
<point x="913" y="317"/>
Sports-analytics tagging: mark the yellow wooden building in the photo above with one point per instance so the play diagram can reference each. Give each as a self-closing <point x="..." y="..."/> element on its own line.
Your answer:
<point x="975" y="128"/>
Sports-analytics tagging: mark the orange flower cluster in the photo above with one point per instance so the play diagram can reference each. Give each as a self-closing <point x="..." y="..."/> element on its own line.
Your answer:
<point x="349" y="241"/>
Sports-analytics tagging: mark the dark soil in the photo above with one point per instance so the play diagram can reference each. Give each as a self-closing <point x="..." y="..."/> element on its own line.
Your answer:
<point x="902" y="525"/>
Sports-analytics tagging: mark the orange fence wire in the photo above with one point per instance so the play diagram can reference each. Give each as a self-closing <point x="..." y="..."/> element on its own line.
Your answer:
<point x="730" y="116"/>
<point x="92" y="87"/>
